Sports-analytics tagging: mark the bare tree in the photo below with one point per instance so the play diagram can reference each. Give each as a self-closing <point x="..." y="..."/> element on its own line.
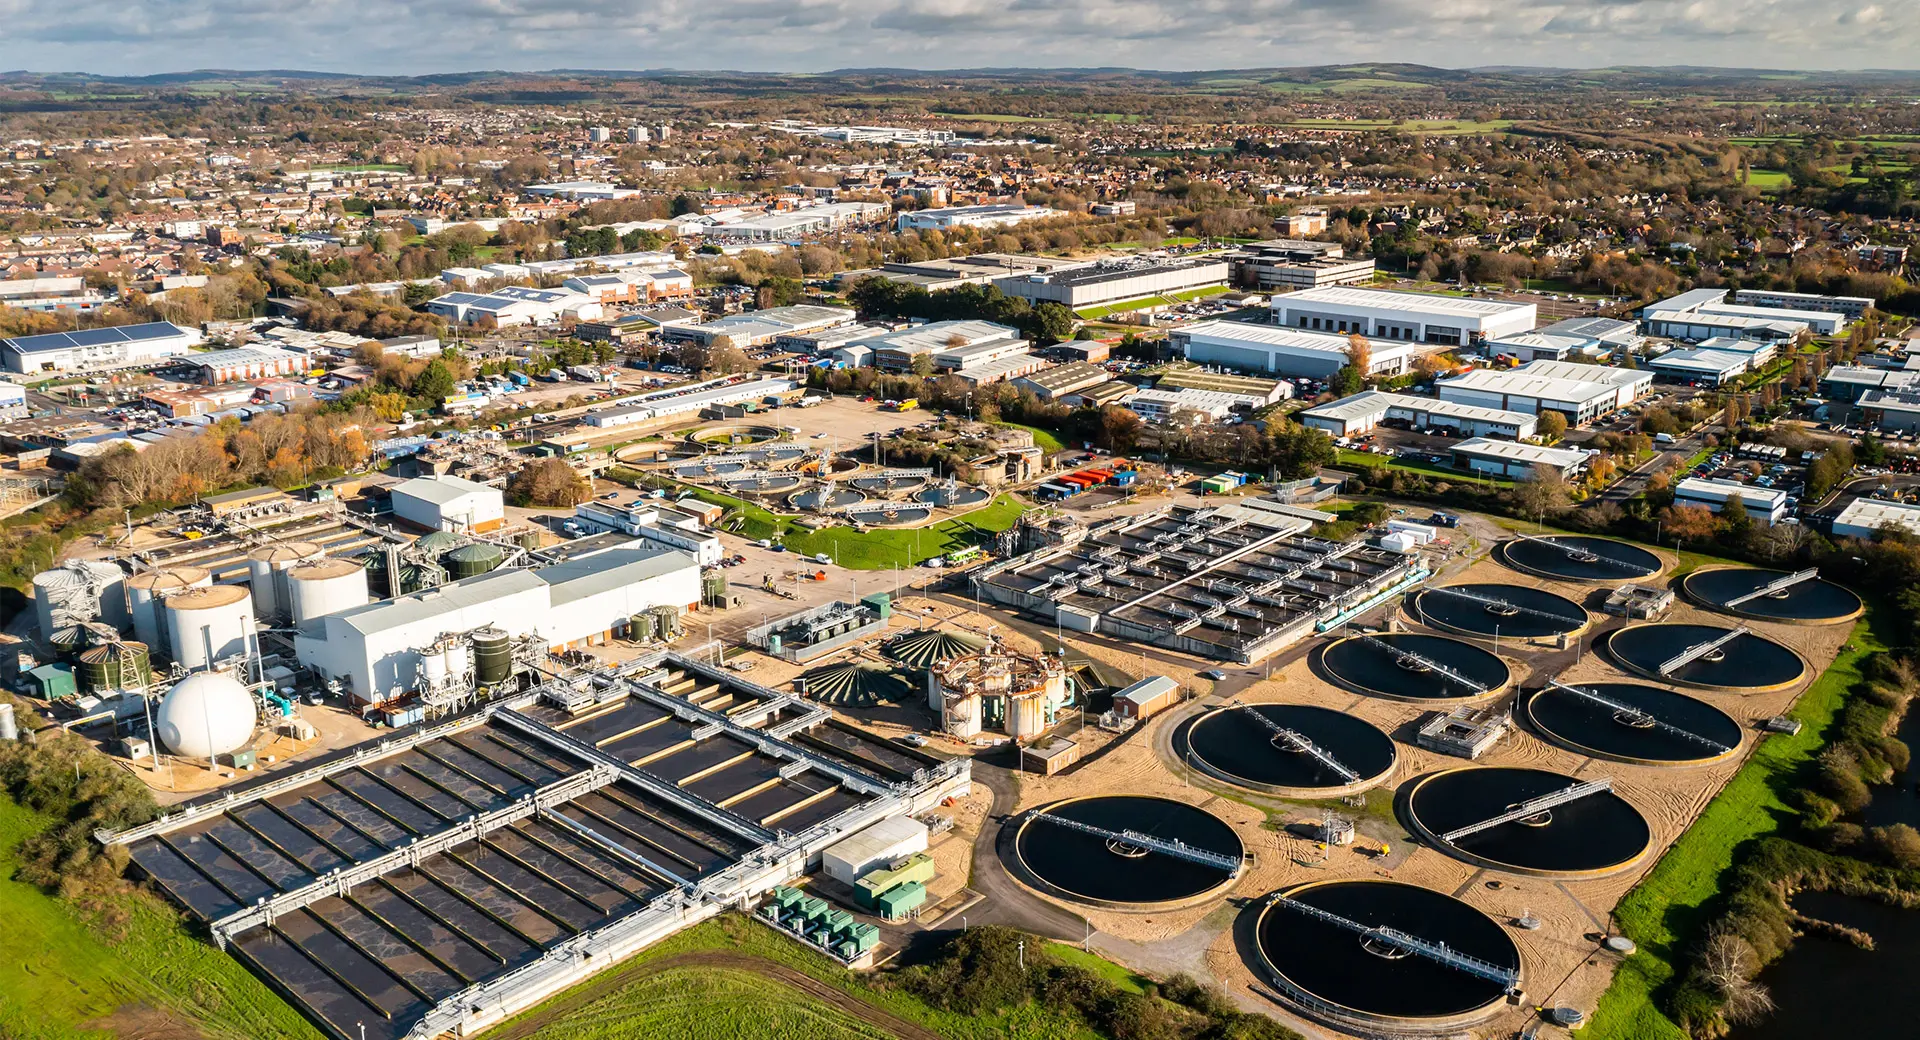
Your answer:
<point x="1727" y="965"/>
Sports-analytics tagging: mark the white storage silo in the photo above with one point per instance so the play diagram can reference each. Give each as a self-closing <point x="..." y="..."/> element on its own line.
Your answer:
<point x="109" y="585"/>
<point x="61" y="600"/>
<point x="459" y="659"/>
<point x="266" y="574"/>
<point x="324" y="587"/>
<point x="223" y="613"/>
<point x="147" y="590"/>
<point x="433" y="668"/>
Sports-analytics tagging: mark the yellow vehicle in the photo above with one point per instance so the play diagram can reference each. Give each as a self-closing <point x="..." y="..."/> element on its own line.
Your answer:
<point x="907" y="405"/>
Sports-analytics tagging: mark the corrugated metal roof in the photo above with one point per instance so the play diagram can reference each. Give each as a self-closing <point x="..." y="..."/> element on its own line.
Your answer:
<point x="605" y="571"/>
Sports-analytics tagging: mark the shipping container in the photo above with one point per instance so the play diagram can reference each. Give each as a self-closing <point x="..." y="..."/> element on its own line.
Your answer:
<point x="901" y="900"/>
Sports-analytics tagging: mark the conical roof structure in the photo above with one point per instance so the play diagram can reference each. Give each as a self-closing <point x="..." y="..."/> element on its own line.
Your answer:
<point x="926" y="647"/>
<point x="857" y="684"/>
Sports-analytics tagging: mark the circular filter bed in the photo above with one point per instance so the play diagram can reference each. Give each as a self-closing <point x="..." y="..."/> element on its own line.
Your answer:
<point x="826" y="496"/>
<point x="1299" y="748"/>
<point x="889" y="485"/>
<point x="1811" y="602"/>
<point x="782" y="453"/>
<point x="953" y="498"/>
<point x="764" y="485"/>
<point x="1744" y="663"/>
<point x="1588" y="836"/>
<point x="1632" y="723"/>
<point x="882" y="516"/>
<point x="1579" y="558"/>
<point x="1503" y="610"/>
<point x="696" y="470"/>
<point x="1099" y="868"/>
<point x="1323" y="962"/>
<point x="1401" y="665"/>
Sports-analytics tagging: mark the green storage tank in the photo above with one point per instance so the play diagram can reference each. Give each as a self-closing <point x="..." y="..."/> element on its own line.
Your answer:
<point x="773" y="644"/>
<point x="713" y="588"/>
<point x="492" y="656"/>
<point x="881" y="602"/>
<point x="100" y="667"/>
<point x="901" y="900"/>
<point x="472" y="560"/>
<point x="666" y="623"/>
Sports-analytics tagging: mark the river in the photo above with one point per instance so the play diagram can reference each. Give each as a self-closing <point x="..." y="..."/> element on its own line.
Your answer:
<point x="1829" y="987"/>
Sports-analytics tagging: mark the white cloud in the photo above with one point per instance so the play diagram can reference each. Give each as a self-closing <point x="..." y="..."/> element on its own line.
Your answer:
<point x="421" y="36"/>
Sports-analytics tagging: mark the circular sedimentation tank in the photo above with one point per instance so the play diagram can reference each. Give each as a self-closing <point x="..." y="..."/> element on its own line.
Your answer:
<point x="926" y="647"/>
<point x="698" y="470"/>
<point x="953" y="498"/>
<point x="780" y="454"/>
<point x="1581" y="558"/>
<point x="1350" y="976"/>
<point x="825" y="496"/>
<point x="769" y="485"/>
<point x="883" y="485"/>
<point x="1747" y="663"/>
<point x="723" y="437"/>
<point x="1486" y="609"/>
<point x="856" y="684"/>
<point x="1815" y="601"/>
<point x="1590" y="836"/>
<point x="1378" y="664"/>
<point x="889" y="515"/>
<point x="1229" y="743"/>
<point x="1629" y="722"/>
<point x="1109" y="872"/>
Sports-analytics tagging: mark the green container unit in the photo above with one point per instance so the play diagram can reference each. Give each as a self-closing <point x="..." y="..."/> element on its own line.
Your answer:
<point x="901" y="900"/>
<point x="881" y="602"/>
<point x="811" y="910"/>
<point x="917" y="867"/>
<point x="857" y="940"/>
<point x="50" y="681"/>
<point x="830" y="924"/>
<point x="1218" y="485"/>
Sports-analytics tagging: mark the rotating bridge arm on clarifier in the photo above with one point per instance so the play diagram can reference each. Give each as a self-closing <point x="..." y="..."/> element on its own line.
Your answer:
<point x="1694" y="653"/>
<point x="1300" y="740"/>
<point x="1635" y="713"/>
<point x="1580" y="555"/>
<point x="1165" y="846"/>
<point x="1776" y="585"/>
<point x="1531" y="807"/>
<point x="1425" y="662"/>
<point x="1494" y="601"/>
<point x="1508" y="978"/>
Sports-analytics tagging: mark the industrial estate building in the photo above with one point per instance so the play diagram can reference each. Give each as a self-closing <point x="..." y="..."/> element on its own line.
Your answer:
<point x="1765" y="505"/>
<point x="1852" y="307"/>
<point x="993" y="215"/>
<point x="1590" y="337"/>
<point x="516" y="305"/>
<point x="97" y="350"/>
<point x="1286" y="265"/>
<point x="1355" y="415"/>
<point x="689" y="400"/>
<point x="758" y="328"/>
<point x="1515" y="461"/>
<point x="1702" y="365"/>
<point x="1864" y="517"/>
<point x="1704" y="313"/>
<point x="1108" y="281"/>
<point x="1274" y="349"/>
<point x="246" y="364"/>
<point x="1580" y="398"/>
<point x="1406" y="317"/>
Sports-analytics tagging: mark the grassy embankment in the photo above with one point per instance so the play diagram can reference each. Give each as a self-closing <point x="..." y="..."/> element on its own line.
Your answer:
<point x="63" y="972"/>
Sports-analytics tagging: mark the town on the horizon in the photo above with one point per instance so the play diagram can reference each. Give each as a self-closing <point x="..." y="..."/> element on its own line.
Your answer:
<point x="1354" y="550"/>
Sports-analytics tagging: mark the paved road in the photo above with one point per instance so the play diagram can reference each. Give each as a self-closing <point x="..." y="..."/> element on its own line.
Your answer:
<point x="1005" y="901"/>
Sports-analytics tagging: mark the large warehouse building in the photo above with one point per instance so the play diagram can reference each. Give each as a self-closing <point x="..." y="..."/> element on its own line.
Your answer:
<point x="450" y="504"/>
<point x="1355" y="415"/>
<point x="1865" y="516"/>
<point x="1849" y="306"/>
<point x="1514" y="461"/>
<point x="377" y="649"/>
<point x="1765" y="505"/>
<point x="97" y="350"/>
<point x="1580" y="400"/>
<point x="1381" y="314"/>
<point x="1287" y="264"/>
<point x="1628" y="383"/>
<point x="1704" y="313"/>
<point x="1113" y="280"/>
<point x="1251" y="347"/>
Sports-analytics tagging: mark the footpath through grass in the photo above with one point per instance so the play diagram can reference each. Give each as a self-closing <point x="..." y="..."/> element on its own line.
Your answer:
<point x="1667" y="909"/>
<point x="60" y="972"/>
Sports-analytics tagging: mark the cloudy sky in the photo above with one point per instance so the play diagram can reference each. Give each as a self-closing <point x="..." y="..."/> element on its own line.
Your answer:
<point x="421" y="36"/>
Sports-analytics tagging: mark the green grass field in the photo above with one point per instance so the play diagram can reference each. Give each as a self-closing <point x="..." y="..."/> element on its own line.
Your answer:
<point x="61" y="973"/>
<point x="709" y="1003"/>
<point x="1769" y="180"/>
<point x="881" y="549"/>
<point x="978" y="117"/>
<point x="1118" y="975"/>
<point x="623" y="1010"/>
<point x="1668" y="907"/>
<point x="1360" y="460"/>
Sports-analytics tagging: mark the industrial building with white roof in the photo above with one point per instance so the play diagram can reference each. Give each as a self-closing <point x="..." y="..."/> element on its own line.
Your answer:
<point x="1765" y="505"/>
<point x="1521" y="390"/>
<point x="1865" y="516"/>
<point x="1382" y="314"/>
<point x="1277" y="350"/>
<point x="1704" y="313"/>
<point x="1351" y="416"/>
<point x="97" y="350"/>
<point x="1515" y="461"/>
